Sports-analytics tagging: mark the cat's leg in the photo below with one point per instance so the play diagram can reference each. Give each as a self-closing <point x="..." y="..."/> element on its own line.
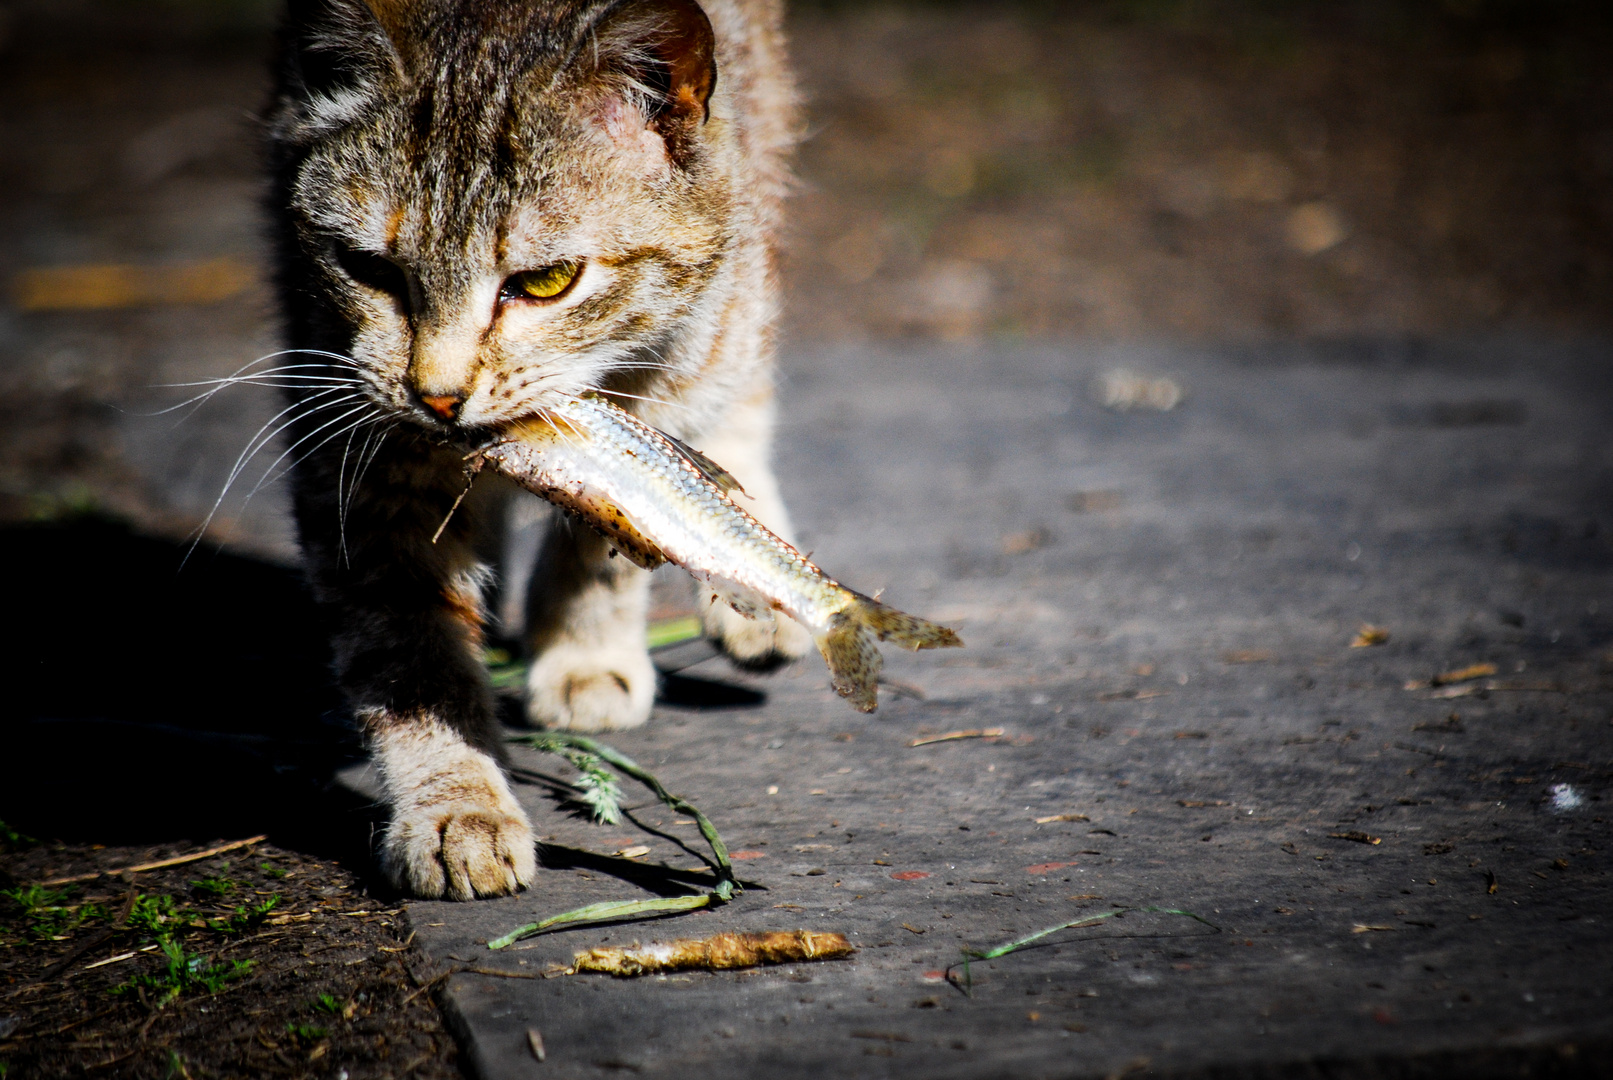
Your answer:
<point x="407" y="621"/>
<point x="742" y="444"/>
<point x="586" y="610"/>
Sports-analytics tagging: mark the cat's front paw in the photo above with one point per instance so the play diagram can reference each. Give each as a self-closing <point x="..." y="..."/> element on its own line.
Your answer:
<point x="583" y="688"/>
<point x="761" y="644"/>
<point x="460" y="836"/>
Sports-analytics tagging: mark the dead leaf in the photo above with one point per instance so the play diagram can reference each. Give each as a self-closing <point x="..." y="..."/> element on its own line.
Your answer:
<point x="1492" y="883"/>
<point x="1202" y="802"/>
<point x="1369" y="635"/>
<point x="1364" y="928"/>
<point x="1022" y="543"/>
<point x="1061" y="817"/>
<point x="911" y="928"/>
<point x="1467" y="674"/>
<point x="1357" y="836"/>
<point x="638" y="851"/>
<point x="719" y="952"/>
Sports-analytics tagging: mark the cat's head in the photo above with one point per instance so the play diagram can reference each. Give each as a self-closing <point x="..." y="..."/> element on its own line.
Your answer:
<point x="493" y="204"/>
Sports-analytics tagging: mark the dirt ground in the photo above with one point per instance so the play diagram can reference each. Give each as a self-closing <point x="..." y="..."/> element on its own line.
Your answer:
<point x="310" y="975"/>
<point x="1203" y="170"/>
<point x="1144" y="169"/>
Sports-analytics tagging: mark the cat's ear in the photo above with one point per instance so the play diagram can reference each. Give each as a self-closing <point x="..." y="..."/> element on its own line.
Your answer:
<point x="344" y="44"/>
<point x="666" y="53"/>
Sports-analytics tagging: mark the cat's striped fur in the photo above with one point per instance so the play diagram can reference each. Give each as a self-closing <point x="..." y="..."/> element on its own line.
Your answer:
<point x="479" y="207"/>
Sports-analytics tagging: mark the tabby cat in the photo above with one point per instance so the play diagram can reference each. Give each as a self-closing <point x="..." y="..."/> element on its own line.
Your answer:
<point x="481" y="207"/>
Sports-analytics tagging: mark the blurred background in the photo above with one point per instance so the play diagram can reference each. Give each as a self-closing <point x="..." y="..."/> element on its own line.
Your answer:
<point x="1161" y="170"/>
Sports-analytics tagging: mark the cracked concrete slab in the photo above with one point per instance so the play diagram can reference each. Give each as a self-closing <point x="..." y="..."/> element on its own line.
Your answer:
<point x="1159" y="609"/>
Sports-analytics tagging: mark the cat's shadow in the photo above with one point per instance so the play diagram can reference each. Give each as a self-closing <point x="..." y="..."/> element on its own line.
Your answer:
<point x="155" y="698"/>
<point x="157" y="694"/>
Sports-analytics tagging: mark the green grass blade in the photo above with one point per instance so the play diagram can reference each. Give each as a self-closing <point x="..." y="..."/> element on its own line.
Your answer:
<point x="1086" y="920"/>
<point x="1019" y="943"/>
<point x="673" y="631"/>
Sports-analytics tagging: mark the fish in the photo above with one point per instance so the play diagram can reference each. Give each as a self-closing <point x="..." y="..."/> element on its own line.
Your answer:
<point x="658" y="500"/>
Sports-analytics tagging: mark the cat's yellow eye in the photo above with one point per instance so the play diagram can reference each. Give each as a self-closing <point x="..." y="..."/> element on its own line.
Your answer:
<point x="542" y="284"/>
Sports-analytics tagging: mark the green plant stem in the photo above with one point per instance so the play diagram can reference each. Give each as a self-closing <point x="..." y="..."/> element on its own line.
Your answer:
<point x="555" y="742"/>
<point x="726" y="883"/>
<point x="605" y="911"/>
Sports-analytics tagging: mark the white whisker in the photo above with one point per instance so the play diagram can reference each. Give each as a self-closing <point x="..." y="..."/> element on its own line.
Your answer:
<point x="259" y="440"/>
<point x="255" y="446"/>
<point x="651" y="400"/>
<point x="292" y="448"/>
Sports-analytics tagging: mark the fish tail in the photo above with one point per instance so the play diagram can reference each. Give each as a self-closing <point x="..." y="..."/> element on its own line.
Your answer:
<point x="888" y="624"/>
<point x="854" y="660"/>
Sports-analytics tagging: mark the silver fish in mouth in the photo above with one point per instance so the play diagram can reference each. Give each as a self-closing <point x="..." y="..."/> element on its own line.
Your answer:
<point x="657" y="500"/>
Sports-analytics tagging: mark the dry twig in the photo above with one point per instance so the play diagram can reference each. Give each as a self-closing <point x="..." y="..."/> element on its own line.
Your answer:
<point x="178" y="860"/>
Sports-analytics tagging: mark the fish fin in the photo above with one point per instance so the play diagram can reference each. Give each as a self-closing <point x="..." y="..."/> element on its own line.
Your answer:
<point x="713" y="472"/>
<point x="854" y="661"/>
<point x="888" y="624"/>
<point x="744" y="601"/>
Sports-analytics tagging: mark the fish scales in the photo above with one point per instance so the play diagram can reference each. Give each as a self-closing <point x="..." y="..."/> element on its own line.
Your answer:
<point x="658" y="501"/>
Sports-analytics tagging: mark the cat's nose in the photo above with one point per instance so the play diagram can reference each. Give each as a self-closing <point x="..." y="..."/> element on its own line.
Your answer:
<point x="444" y="405"/>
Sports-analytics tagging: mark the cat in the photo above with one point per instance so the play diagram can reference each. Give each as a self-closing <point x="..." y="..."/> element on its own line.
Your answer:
<point x="479" y="207"/>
